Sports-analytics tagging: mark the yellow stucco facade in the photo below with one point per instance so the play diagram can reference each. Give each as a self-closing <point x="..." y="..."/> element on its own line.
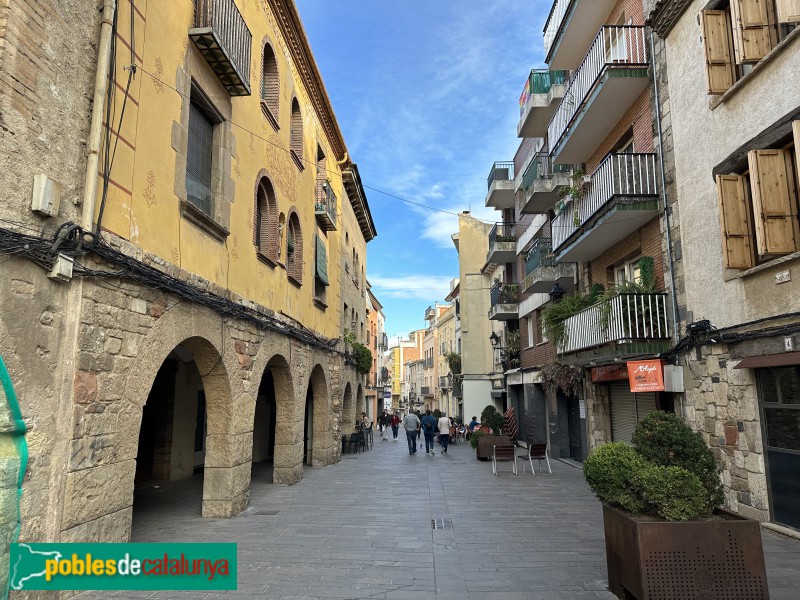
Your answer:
<point x="145" y="195"/>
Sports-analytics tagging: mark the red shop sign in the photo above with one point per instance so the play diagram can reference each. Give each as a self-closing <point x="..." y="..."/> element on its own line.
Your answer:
<point x="646" y="375"/>
<point x="609" y="373"/>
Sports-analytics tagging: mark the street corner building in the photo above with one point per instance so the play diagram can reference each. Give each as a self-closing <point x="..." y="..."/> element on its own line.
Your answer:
<point x="182" y="251"/>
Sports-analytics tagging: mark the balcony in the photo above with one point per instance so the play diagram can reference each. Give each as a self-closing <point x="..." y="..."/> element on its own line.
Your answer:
<point x="622" y="196"/>
<point x="325" y="205"/>
<point x="542" y="183"/>
<point x="425" y="391"/>
<point x="612" y="75"/>
<point x="631" y="324"/>
<point x="504" y="298"/>
<point x="430" y="313"/>
<point x="570" y="28"/>
<point x="222" y="37"/>
<point x="444" y="383"/>
<point x="502" y="244"/>
<point x="501" y="186"/>
<point x="540" y="97"/>
<point x="542" y="271"/>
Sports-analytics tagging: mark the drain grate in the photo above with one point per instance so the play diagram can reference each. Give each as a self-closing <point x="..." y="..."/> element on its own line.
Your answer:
<point x="441" y="524"/>
<point x="266" y="513"/>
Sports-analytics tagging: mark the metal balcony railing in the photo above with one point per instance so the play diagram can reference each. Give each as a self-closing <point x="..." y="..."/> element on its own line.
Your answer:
<point x="632" y="175"/>
<point x="539" y="255"/>
<point x="504" y="293"/>
<point x="539" y="82"/>
<point x="501" y="171"/>
<point x="222" y="36"/>
<point x="542" y="167"/>
<point x="502" y="232"/>
<point x="614" y="46"/>
<point x="627" y="318"/>
<point x="325" y="205"/>
<point x="444" y="383"/>
<point x="552" y="26"/>
<point x="425" y="391"/>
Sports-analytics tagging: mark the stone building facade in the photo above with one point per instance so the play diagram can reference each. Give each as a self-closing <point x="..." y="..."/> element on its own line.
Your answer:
<point x="182" y="342"/>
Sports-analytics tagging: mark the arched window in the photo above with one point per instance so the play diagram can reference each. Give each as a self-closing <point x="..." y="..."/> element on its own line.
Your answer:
<point x="296" y="134"/>
<point x="265" y="230"/>
<point x="294" y="249"/>
<point x="270" y="85"/>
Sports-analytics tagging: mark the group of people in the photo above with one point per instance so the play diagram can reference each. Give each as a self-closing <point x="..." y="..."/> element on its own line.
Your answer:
<point x="428" y="427"/>
<point x="385" y="421"/>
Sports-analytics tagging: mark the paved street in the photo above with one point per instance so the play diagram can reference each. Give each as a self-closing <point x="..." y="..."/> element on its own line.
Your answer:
<point x="362" y="529"/>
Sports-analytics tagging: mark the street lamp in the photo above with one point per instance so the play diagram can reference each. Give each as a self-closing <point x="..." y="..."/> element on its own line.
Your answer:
<point x="557" y="293"/>
<point x="495" y="339"/>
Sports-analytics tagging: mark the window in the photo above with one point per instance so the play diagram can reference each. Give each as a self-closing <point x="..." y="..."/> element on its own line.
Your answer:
<point x="531" y="336"/>
<point x="321" y="272"/>
<point x="759" y="206"/>
<point x="270" y="86"/>
<point x="199" y="155"/>
<point x="739" y="33"/>
<point x="266" y="229"/>
<point x="630" y="272"/>
<point x="296" y="134"/>
<point x="294" y="250"/>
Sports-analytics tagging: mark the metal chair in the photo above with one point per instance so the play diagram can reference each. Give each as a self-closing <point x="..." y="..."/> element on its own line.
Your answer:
<point x="356" y="441"/>
<point x="504" y="452"/>
<point x="536" y="452"/>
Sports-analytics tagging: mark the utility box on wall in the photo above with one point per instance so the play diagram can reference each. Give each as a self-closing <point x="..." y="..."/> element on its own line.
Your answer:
<point x="46" y="195"/>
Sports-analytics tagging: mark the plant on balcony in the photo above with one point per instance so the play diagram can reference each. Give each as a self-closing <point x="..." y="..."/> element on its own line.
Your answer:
<point x="510" y="354"/>
<point x="453" y="362"/>
<point x="363" y="358"/>
<point x="555" y="314"/>
<point x="645" y="285"/>
<point x="508" y="293"/>
<point x="559" y="376"/>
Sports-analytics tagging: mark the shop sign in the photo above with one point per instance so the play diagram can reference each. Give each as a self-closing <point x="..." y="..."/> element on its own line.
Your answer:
<point x="646" y="375"/>
<point x="609" y="373"/>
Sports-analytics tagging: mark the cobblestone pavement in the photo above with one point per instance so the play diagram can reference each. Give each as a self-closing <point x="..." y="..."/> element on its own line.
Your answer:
<point x="362" y="529"/>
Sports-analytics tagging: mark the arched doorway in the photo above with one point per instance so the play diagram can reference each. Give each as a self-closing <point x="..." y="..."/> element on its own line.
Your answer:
<point x="318" y="438"/>
<point x="361" y="403"/>
<point x="190" y="390"/>
<point x="348" y="410"/>
<point x="272" y="419"/>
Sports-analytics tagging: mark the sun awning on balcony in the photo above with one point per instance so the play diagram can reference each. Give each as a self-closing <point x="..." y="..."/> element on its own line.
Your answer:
<point x="784" y="359"/>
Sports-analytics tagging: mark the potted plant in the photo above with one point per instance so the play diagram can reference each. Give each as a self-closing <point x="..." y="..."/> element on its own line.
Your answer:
<point x="665" y="535"/>
<point x="484" y="442"/>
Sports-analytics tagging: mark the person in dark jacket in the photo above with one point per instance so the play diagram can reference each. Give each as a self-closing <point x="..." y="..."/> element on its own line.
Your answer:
<point x="428" y="430"/>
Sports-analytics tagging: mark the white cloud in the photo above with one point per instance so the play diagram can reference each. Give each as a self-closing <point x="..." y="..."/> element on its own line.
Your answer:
<point x="422" y="287"/>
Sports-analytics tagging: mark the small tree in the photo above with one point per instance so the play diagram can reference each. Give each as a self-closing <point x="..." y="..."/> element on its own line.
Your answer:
<point x="492" y="418"/>
<point x="363" y="358"/>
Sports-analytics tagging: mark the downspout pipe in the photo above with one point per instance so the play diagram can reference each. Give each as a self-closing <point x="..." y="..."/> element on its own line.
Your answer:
<point x="662" y="172"/>
<point x="98" y="107"/>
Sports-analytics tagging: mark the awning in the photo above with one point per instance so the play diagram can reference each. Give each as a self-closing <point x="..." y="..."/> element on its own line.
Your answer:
<point x="784" y="359"/>
<point x="322" y="261"/>
<point x="498" y="393"/>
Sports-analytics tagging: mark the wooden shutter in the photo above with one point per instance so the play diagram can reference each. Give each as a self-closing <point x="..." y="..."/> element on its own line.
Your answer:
<point x="796" y="132"/>
<point x="774" y="201"/>
<point x="719" y="55"/>
<point x="270" y="83"/>
<point x="734" y="217"/>
<point x="788" y="12"/>
<point x="296" y="136"/>
<point x="754" y="33"/>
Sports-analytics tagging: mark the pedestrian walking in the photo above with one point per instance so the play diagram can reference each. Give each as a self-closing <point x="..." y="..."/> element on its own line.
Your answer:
<point x="384" y="422"/>
<point x="395" y="423"/>
<point x="428" y="430"/>
<point x="411" y="425"/>
<point x="444" y="432"/>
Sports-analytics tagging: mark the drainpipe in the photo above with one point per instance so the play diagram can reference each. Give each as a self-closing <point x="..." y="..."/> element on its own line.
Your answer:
<point x="344" y="161"/>
<point x="98" y="107"/>
<point x="675" y="334"/>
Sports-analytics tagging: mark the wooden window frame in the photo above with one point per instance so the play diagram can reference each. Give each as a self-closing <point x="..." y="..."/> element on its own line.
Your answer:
<point x="269" y="98"/>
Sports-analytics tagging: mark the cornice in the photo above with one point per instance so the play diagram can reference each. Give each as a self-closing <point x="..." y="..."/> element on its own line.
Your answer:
<point x="293" y="33"/>
<point x="665" y="14"/>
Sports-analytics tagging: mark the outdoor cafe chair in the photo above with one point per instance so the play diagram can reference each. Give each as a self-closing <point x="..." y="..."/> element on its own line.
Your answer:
<point x="536" y="452"/>
<point x="504" y="452"/>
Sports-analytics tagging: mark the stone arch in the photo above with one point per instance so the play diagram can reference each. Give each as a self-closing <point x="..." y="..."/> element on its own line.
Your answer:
<point x="361" y="402"/>
<point x="277" y="368"/>
<point x="348" y="409"/>
<point x="318" y="416"/>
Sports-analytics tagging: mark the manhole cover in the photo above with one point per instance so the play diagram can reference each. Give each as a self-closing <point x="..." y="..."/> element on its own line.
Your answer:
<point x="266" y="513"/>
<point x="441" y="524"/>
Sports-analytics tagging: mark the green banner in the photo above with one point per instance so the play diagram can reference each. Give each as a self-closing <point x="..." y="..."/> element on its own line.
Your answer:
<point x="88" y="566"/>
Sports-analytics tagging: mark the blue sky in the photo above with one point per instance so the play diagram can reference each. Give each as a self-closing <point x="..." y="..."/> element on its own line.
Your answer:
<point x="426" y="94"/>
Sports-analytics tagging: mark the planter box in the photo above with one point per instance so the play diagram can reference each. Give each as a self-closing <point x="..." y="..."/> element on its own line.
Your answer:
<point x="664" y="560"/>
<point x="486" y="442"/>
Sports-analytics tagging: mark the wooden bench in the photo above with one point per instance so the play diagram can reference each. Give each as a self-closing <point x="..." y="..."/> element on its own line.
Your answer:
<point x="504" y="452"/>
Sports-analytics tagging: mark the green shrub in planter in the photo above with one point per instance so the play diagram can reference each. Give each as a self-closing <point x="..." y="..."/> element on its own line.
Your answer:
<point x="473" y="439"/>
<point x="665" y="439"/>
<point x="672" y="493"/>
<point x="613" y="471"/>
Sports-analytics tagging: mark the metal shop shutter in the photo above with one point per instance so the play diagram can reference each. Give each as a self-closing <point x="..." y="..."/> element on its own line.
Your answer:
<point x="627" y="409"/>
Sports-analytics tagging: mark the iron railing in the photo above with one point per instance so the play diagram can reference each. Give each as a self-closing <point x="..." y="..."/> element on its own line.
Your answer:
<point x="539" y="255"/>
<point x="444" y="383"/>
<point x="554" y="21"/>
<point x="614" y="46"/>
<point x="624" y="318"/>
<point x="542" y="167"/>
<point x="425" y="391"/>
<point x="501" y="171"/>
<point x="502" y="232"/>
<point x="539" y="82"/>
<point x="504" y="293"/>
<point x="631" y="175"/>
<point x="325" y="201"/>
<point x="234" y="39"/>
